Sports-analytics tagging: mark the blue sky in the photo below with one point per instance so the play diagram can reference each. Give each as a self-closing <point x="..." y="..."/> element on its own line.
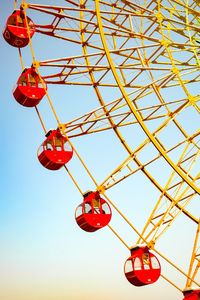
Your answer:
<point x="43" y="254"/>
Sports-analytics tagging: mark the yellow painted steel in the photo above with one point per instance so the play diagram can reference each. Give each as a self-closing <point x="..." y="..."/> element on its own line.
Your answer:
<point x="132" y="108"/>
<point x="175" y="266"/>
<point x="167" y="212"/>
<point x="171" y="282"/>
<point x="102" y="103"/>
<point x="194" y="269"/>
<point x="36" y="65"/>
<point x="141" y="64"/>
<point x="118" y="236"/>
<point x="194" y="49"/>
<point x="21" y="59"/>
<point x="191" y="100"/>
<point x="40" y="118"/>
<point x="74" y="181"/>
<point x="15" y="4"/>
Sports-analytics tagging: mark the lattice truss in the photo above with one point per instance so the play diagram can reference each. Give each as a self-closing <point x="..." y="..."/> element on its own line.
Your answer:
<point x="141" y="58"/>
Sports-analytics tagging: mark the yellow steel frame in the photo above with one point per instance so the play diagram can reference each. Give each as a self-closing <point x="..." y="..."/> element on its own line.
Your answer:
<point x="114" y="25"/>
<point x="195" y="260"/>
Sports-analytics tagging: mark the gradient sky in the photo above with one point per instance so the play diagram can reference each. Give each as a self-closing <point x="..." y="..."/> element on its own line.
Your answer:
<point x="43" y="253"/>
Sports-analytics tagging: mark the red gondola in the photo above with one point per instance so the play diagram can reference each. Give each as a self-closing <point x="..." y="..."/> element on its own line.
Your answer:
<point x="142" y="267"/>
<point x="94" y="213"/>
<point x="55" y="151"/>
<point x="16" y="31"/>
<point x="191" y="294"/>
<point x="29" y="90"/>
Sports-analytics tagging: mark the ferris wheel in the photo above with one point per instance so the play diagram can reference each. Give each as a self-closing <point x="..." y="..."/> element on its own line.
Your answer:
<point x="140" y="60"/>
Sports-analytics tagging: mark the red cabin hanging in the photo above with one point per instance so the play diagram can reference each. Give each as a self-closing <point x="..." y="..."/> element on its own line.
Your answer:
<point x="16" y="31"/>
<point x="94" y="213"/>
<point x="30" y="89"/>
<point x="142" y="267"/>
<point x="55" y="151"/>
<point x="191" y="294"/>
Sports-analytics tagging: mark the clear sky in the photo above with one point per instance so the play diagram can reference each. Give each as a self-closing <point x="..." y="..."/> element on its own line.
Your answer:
<point x="43" y="253"/>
